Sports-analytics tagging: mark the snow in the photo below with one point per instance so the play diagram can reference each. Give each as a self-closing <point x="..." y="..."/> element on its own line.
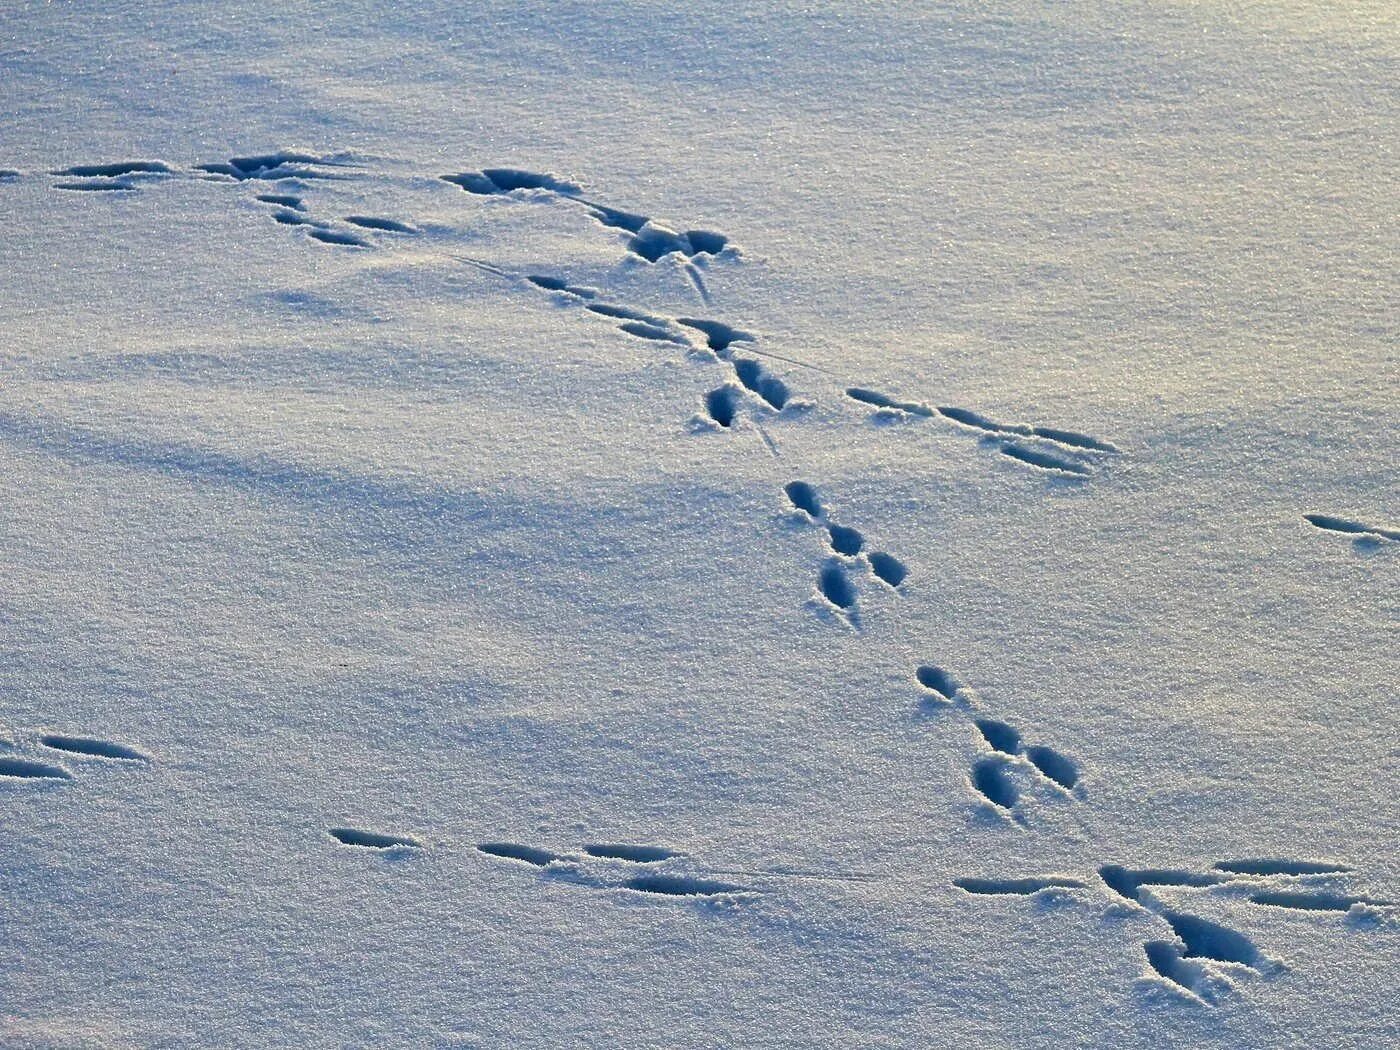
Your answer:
<point x="400" y="652"/>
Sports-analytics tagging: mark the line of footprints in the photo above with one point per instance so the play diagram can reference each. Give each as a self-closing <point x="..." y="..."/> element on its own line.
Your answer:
<point x="1198" y="959"/>
<point x="654" y="870"/>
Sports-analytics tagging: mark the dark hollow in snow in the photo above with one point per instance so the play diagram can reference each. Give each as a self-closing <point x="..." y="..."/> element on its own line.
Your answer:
<point x="369" y="222"/>
<point x="718" y="335"/>
<point x="623" y="851"/>
<point x="888" y="569"/>
<point x="349" y="240"/>
<point x="1053" y="765"/>
<point x="372" y="839"/>
<point x="757" y="379"/>
<point x="936" y="680"/>
<point x="285" y="200"/>
<point x="624" y="313"/>
<point x="844" y="540"/>
<point x="722" y="404"/>
<point x="1015" y="886"/>
<point x="515" y="851"/>
<point x="1328" y="523"/>
<point x="1209" y="940"/>
<point x="24" y="769"/>
<point x="999" y="735"/>
<point x="679" y="886"/>
<point x="835" y="586"/>
<point x="990" y="779"/>
<point x="1165" y="958"/>
<point x="804" y="497"/>
<point x="98" y="187"/>
<point x="1273" y="866"/>
<point x="646" y="330"/>
<point x="1043" y="460"/>
<point x="1302" y="901"/>
<point x="79" y="745"/>
<point x="111" y="171"/>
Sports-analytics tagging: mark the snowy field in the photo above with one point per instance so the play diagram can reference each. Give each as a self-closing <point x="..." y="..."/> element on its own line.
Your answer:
<point x="683" y="526"/>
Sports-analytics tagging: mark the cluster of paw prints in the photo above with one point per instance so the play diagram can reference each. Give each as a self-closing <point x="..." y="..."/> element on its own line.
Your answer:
<point x="836" y="585"/>
<point x="1007" y="761"/>
<point x="1198" y="957"/>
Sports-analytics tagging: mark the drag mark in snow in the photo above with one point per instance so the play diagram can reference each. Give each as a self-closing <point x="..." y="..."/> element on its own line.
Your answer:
<point x="1362" y="533"/>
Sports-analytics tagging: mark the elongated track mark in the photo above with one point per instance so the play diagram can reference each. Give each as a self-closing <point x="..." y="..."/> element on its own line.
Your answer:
<point x="1329" y="523"/>
<point x="373" y="839"/>
<point x="92" y="747"/>
<point x="24" y="769"/>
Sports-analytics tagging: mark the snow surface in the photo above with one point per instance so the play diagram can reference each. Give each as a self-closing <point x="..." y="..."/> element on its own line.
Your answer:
<point x="398" y="653"/>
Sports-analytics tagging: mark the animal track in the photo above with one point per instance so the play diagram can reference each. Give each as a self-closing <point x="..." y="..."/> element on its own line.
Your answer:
<point x="514" y="851"/>
<point x="369" y="222"/>
<point x="722" y="405"/>
<point x="373" y="839"/>
<point x="115" y="186"/>
<point x="24" y="769"/>
<point x="635" y="854"/>
<point x="336" y="237"/>
<point x="1043" y="460"/>
<point x="873" y="397"/>
<point x="1192" y="960"/>
<point x="1022" y="887"/>
<point x="1209" y="940"/>
<point x="91" y="747"/>
<point x="990" y="779"/>
<point x="834" y="582"/>
<point x="1128" y="883"/>
<point x="112" y="171"/>
<point x="1302" y="901"/>
<point x="757" y="380"/>
<point x="271" y="167"/>
<point x="834" y="585"/>
<point x="1274" y="866"/>
<point x="493" y="181"/>
<point x="888" y="569"/>
<point x="990" y="775"/>
<point x="719" y="336"/>
<point x="936" y="681"/>
<point x="647" y="239"/>
<point x="285" y="200"/>
<point x="1372" y="533"/>
<point x="1070" y="441"/>
<point x="598" y="868"/>
<point x="679" y="886"/>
